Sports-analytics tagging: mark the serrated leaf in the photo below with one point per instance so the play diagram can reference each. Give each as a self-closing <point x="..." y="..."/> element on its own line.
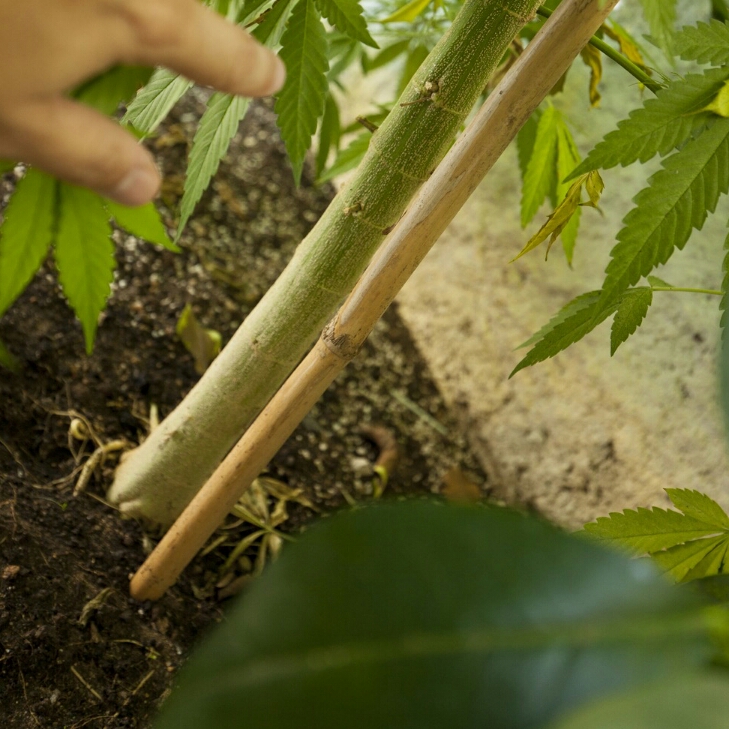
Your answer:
<point x="593" y="60"/>
<point x="408" y="12"/>
<point x="661" y="17"/>
<point x="203" y="344"/>
<point x="301" y="101"/>
<point x="699" y="506"/>
<point x="567" y="159"/>
<point x="26" y="233"/>
<point x="114" y="87"/>
<point x="632" y="309"/>
<point x="541" y="171"/>
<point x="349" y="157"/>
<point x="270" y="30"/>
<point x="677" y="200"/>
<point x="662" y="125"/>
<point x="84" y="255"/>
<point x="654" y="281"/>
<point x="525" y="140"/>
<point x="719" y="105"/>
<point x="329" y="134"/>
<point x="346" y="16"/>
<point x="8" y="360"/>
<point x="648" y="530"/>
<point x="678" y="561"/>
<point x="570" y="325"/>
<point x="704" y="43"/>
<point x="713" y="563"/>
<point x="250" y="11"/>
<point x="217" y="127"/>
<point x="529" y="623"/>
<point x="142" y="221"/>
<point x="152" y="104"/>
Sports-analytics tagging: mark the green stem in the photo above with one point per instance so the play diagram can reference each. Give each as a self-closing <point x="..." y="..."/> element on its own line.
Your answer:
<point x="687" y="290"/>
<point x="618" y="57"/>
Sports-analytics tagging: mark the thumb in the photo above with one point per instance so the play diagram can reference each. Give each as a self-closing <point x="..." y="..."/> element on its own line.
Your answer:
<point x="81" y="146"/>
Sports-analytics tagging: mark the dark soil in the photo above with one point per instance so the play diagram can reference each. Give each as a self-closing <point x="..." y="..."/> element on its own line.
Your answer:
<point x="75" y="650"/>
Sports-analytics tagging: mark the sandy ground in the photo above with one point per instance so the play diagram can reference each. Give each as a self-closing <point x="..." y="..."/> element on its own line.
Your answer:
<point x="582" y="434"/>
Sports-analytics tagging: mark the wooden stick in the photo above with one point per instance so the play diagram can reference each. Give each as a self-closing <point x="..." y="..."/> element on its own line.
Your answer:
<point x="544" y="61"/>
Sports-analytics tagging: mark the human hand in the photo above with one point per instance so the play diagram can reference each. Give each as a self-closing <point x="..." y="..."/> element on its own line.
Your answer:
<point x="51" y="46"/>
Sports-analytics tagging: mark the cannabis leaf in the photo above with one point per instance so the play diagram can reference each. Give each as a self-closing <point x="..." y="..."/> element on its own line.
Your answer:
<point x="152" y="104"/>
<point x="84" y="255"/>
<point x="408" y="12"/>
<point x="677" y="199"/>
<point x="661" y="17"/>
<point x="217" y="126"/>
<point x="349" y="157"/>
<point x="26" y="234"/>
<point x="107" y="91"/>
<point x="329" y="134"/>
<point x="631" y="311"/>
<point x="688" y="545"/>
<point x="593" y="60"/>
<point x="525" y="140"/>
<point x="704" y="42"/>
<point x="567" y="159"/>
<point x="540" y="175"/>
<point x="660" y="126"/>
<point x="576" y="319"/>
<point x="143" y="222"/>
<point x="346" y="16"/>
<point x="301" y="101"/>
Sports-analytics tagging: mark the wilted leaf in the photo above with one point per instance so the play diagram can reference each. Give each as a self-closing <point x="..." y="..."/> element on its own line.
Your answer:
<point x="593" y="59"/>
<point x="203" y="344"/>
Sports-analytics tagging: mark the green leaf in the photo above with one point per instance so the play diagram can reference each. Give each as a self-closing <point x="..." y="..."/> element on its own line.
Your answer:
<point x="251" y="10"/>
<point x="677" y="200"/>
<point x="631" y="311"/>
<point x="329" y="134"/>
<point x="568" y="326"/>
<point x="8" y="360"/>
<point x="525" y="140"/>
<point x="119" y="84"/>
<point x="26" y="233"/>
<point x="84" y="255"/>
<point x="654" y="281"/>
<point x="152" y="104"/>
<point x="217" y="127"/>
<point x="662" y="125"/>
<point x="414" y="60"/>
<point x="301" y="101"/>
<point x="385" y="56"/>
<point x="272" y="27"/>
<point x="685" y="701"/>
<point x="705" y="43"/>
<point x="682" y="559"/>
<point x="699" y="506"/>
<point x="661" y="17"/>
<point x="567" y="159"/>
<point x="143" y="222"/>
<point x="203" y="344"/>
<point x="648" y="530"/>
<point x="349" y="157"/>
<point x="420" y="614"/>
<point x="346" y="16"/>
<point x="408" y="12"/>
<point x="541" y="171"/>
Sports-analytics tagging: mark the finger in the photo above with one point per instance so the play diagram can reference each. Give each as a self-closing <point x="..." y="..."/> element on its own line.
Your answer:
<point x="198" y="43"/>
<point x="81" y="146"/>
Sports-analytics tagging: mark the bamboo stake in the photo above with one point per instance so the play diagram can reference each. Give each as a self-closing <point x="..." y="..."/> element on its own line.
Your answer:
<point x="546" y="58"/>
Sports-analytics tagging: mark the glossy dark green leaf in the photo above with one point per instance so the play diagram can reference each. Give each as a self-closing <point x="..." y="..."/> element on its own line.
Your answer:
<point x="415" y="615"/>
<point x="692" y="701"/>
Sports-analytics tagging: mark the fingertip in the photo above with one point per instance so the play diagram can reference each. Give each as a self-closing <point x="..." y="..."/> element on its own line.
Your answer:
<point x="138" y="186"/>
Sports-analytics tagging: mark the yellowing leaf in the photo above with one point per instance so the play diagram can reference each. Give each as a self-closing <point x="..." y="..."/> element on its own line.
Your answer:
<point x="593" y="59"/>
<point x="407" y="13"/>
<point x="626" y="43"/>
<point x="203" y="344"/>
<point x="720" y="103"/>
<point x="594" y="187"/>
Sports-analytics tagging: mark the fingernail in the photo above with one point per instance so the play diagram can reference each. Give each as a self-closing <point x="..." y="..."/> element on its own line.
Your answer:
<point x="137" y="188"/>
<point x="278" y="77"/>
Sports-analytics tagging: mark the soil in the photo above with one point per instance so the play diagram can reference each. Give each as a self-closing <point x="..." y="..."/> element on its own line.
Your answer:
<point x="75" y="650"/>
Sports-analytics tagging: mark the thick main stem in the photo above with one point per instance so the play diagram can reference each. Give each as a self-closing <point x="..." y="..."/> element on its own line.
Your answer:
<point x="160" y="477"/>
<point x="545" y="60"/>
